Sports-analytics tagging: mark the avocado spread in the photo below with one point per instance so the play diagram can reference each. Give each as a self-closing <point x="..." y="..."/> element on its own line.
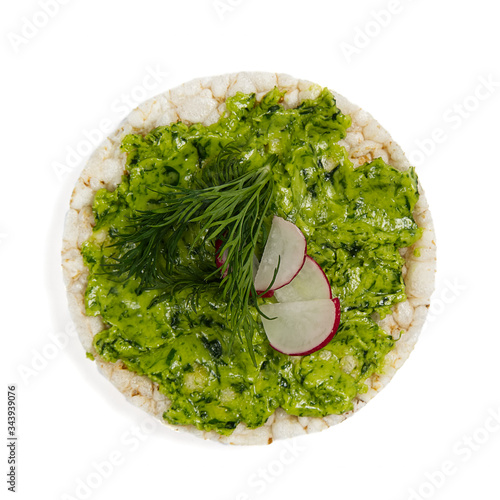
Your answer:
<point x="354" y="220"/>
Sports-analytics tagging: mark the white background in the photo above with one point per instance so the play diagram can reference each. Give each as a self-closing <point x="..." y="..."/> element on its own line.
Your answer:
<point x="420" y="68"/>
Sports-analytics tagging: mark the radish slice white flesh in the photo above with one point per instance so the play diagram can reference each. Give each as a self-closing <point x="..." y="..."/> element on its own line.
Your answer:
<point x="255" y="266"/>
<point x="285" y="244"/>
<point x="300" y="328"/>
<point x="310" y="284"/>
<point x="268" y="294"/>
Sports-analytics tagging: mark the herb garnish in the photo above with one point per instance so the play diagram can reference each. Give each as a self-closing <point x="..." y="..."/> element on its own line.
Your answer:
<point x="229" y="202"/>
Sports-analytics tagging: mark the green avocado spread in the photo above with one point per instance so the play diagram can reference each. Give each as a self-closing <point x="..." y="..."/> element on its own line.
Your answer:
<point x="354" y="220"/>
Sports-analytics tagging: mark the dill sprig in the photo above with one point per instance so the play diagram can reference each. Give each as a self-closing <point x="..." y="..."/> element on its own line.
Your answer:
<point x="229" y="202"/>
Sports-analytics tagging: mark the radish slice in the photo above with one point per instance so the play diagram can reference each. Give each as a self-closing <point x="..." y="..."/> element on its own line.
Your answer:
<point x="285" y="244"/>
<point x="300" y="328"/>
<point x="256" y="264"/>
<point x="220" y="259"/>
<point x="310" y="284"/>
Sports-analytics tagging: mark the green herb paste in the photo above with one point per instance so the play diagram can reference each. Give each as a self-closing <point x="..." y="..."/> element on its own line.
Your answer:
<point x="354" y="220"/>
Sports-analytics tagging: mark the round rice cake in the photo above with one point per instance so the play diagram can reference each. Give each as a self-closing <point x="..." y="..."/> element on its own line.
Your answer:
<point x="203" y="101"/>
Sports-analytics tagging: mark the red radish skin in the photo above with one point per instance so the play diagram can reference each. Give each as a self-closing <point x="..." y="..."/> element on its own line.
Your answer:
<point x="327" y="340"/>
<point x="220" y="259"/>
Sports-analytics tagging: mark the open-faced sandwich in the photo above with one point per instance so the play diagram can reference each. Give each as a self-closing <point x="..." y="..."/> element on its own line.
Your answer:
<point x="249" y="257"/>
